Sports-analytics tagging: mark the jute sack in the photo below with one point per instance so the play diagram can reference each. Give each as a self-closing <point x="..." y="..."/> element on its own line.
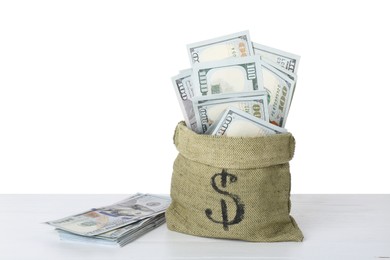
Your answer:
<point x="232" y="187"/>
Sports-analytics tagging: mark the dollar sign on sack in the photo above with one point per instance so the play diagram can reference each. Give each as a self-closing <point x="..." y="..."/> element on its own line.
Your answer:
<point x="239" y="215"/>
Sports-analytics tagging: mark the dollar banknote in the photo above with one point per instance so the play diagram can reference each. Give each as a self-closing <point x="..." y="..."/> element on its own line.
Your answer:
<point x="280" y="90"/>
<point x="208" y="109"/>
<point x="131" y="228"/>
<point x="286" y="72"/>
<point x="229" y="46"/>
<point x="227" y="76"/>
<point x="118" y="237"/>
<point x="185" y="71"/>
<point x="289" y="74"/>
<point x="184" y="92"/>
<point x="104" y="219"/>
<point x="237" y="123"/>
<point x="224" y="69"/>
<point x="277" y="57"/>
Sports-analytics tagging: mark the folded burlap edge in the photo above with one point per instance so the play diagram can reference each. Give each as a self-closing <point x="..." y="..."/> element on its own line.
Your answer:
<point x="234" y="152"/>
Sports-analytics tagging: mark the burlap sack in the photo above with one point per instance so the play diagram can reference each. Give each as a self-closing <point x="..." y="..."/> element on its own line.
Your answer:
<point x="232" y="187"/>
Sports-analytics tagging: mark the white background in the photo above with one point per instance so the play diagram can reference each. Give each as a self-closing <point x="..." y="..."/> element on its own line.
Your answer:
<point x="87" y="104"/>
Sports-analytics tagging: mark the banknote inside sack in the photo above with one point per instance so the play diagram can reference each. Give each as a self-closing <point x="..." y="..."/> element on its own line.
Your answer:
<point x="236" y="87"/>
<point x="117" y="224"/>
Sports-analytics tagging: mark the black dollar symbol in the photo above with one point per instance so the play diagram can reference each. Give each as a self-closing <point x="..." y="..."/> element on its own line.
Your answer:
<point x="225" y="176"/>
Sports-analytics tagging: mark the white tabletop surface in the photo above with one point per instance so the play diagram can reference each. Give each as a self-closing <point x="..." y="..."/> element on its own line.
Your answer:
<point x="334" y="226"/>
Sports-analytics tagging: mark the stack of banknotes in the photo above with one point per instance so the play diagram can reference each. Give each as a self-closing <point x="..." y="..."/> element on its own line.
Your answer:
<point x="117" y="224"/>
<point x="236" y="87"/>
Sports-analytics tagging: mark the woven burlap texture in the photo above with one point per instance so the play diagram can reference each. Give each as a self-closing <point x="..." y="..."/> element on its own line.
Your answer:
<point x="232" y="187"/>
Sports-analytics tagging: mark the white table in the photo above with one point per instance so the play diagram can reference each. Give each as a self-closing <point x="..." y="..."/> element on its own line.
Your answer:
<point x="335" y="227"/>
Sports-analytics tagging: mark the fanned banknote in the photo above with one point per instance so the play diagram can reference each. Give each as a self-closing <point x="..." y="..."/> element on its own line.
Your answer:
<point x="280" y="89"/>
<point x="289" y="74"/>
<point x="283" y="59"/>
<point x="208" y="109"/>
<point x="286" y="72"/>
<point x="228" y="67"/>
<point x="227" y="76"/>
<point x="184" y="92"/>
<point x="230" y="46"/>
<point x="237" y="123"/>
<point x="104" y="219"/>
